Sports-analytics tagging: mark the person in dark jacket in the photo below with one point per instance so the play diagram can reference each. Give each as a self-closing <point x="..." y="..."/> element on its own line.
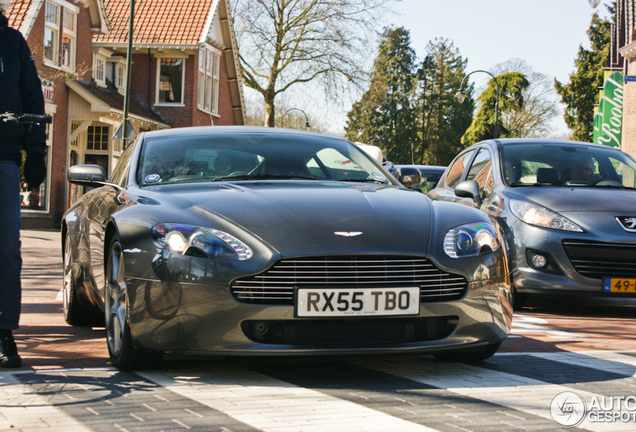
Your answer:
<point x="21" y="92"/>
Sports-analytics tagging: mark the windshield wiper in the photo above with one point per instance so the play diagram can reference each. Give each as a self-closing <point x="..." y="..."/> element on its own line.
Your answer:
<point x="531" y="184"/>
<point x="268" y="177"/>
<point x="363" y="181"/>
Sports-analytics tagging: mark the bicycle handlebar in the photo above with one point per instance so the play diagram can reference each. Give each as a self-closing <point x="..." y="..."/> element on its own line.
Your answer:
<point x="25" y="118"/>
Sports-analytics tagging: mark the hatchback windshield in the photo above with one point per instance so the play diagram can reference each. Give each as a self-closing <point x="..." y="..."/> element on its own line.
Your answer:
<point x="566" y="165"/>
<point x="229" y="157"/>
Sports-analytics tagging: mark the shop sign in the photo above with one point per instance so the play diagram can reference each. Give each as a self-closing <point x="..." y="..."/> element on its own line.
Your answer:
<point x="608" y="121"/>
<point x="47" y="89"/>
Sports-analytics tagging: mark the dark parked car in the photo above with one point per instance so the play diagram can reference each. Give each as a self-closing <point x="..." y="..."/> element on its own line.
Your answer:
<point x="568" y="210"/>
<point x="429" y="175"/>
<point x="253" y="241"/>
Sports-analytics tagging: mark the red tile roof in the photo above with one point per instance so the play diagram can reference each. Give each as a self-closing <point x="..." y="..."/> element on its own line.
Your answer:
<point x="19" y="9"/>
<point x="161" y="22"/>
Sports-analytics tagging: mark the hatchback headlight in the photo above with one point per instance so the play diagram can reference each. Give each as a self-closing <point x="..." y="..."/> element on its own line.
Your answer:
<point x="470" y="240"/>
<point x="199" y="241"/>
<point x="540" y="216"/>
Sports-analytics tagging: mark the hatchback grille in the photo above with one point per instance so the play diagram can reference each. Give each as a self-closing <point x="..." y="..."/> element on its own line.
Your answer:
<point x="598" y="260"/>
<point x="276" y="285"/>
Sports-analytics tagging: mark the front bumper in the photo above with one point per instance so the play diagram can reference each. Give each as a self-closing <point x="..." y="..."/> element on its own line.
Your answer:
<point x="205" y="319"/>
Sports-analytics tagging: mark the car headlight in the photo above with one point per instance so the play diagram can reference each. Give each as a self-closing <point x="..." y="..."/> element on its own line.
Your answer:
<point x="199" y="241"/>
<point x="540" y="216"/>
<point x="470" y="240"/>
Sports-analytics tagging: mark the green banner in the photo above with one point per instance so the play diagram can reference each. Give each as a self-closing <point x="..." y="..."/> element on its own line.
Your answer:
<point x="608" y="120"/>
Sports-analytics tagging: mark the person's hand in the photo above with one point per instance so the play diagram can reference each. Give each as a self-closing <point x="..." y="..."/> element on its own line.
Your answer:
<point x="35" y="170"/>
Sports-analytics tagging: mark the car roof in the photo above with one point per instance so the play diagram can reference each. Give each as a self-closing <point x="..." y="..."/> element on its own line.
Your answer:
<point x="228" y="130"/>
<point x="531" y="141"/>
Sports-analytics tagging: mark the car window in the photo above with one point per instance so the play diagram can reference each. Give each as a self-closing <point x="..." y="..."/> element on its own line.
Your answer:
<point x="564" y="164"/>
<point x="225" y="157"/>
<point x="120" y="173"/>
<point x="624" y="173"/>
<point x="429" y="180"/>
<point x="481" y="172"/>
<point x="457" y="169"/>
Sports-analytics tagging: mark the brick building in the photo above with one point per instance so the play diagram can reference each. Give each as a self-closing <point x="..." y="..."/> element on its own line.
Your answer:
<point x="184" y="73"/>
<point x="623" y="57"/>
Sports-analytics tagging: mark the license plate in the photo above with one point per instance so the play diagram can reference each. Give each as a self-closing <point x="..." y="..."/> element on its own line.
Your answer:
<point x="620" y="285"/>
<point x="321" y="302"/>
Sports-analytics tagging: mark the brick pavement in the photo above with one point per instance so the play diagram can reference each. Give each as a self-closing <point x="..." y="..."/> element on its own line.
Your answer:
<point x="44" y="339"/>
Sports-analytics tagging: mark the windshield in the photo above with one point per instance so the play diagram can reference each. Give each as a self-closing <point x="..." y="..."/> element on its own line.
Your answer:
<point x="566" y="165"/>
<point x="253" y="156"/>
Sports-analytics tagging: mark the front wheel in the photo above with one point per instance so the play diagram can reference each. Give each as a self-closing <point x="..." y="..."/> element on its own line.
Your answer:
<point x="123" y="353"/>
<point x="469" y="356"/>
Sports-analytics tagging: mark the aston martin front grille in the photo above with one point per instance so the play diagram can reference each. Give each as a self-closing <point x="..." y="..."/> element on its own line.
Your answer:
<point x="598" y="260"/>
<point x="276" y="285"/>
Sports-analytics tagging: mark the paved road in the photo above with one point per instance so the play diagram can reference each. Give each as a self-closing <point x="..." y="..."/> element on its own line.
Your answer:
<point x="67" y="384"/>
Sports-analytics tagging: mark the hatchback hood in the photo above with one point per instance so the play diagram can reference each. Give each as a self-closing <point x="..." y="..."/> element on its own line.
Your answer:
<point x="578" y="199"/>
<point x="299" y="218"/>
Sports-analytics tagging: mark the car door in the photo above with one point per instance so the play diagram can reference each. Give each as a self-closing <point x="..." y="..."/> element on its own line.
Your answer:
<point x="482" y="171"/>
<point x="445" y="190"/>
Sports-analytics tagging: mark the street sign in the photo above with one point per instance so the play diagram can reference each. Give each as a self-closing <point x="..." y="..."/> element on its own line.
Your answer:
<point x="630" y="77"/>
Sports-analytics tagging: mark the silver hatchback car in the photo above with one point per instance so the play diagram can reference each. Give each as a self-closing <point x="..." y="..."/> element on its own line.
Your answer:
<point x="567" y="210"/>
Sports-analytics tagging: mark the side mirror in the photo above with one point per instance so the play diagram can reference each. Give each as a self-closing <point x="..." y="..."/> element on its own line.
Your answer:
<point x="409" y="177"/>
<point x="469" y="189"/>
<point x="87" y="175"/>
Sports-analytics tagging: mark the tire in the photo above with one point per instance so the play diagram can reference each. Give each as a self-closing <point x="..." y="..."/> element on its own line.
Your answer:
<point x="74" y="313"/>
<point x="469" y="356"/>
<point x="121" y="349"/>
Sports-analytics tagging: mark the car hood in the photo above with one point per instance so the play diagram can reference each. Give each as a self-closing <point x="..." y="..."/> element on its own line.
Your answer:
<point x="594" y="210"/>
<point x="298" y="218"/>
<point x="576" y="199"/>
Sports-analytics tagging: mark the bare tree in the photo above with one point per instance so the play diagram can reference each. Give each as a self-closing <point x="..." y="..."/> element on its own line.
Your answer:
<point x="540" y="102"/>
<point x="288" y="42"/>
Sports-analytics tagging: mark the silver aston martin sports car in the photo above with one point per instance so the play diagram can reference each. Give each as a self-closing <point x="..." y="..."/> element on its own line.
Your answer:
<point x="568" y="210"/>
<point x="257" y="241"/>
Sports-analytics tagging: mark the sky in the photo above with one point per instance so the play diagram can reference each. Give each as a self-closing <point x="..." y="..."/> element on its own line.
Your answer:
<point x="545" y="33"/>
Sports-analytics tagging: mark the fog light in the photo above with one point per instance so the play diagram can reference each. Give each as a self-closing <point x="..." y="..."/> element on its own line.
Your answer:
<point x="539" y="261"/>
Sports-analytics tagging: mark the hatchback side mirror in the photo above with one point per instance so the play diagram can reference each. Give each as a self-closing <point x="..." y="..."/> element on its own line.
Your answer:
<point x="469" y="189"/>
<point x="409" y="177"/>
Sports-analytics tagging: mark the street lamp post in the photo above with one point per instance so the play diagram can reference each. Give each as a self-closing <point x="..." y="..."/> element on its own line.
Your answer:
<point x="461" y="97"/>
<point x="307" y="125"/>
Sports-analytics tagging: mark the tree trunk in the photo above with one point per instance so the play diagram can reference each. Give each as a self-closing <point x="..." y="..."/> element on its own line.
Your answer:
<point x="270" y="111"/>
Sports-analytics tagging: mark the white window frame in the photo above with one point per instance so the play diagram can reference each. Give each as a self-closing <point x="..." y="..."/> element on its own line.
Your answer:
<point x="158" y="84"/>
<point x="52" y="24"/>
<point x="99" y="70"/>
<point x="208" y="80"/>
<point x="120" y="76"/>
<point x="70" y="32"/>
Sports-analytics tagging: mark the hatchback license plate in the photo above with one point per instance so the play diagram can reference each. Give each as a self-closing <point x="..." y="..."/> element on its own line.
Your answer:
<point x="320" y="302"/>
<point x="620" y="285"/>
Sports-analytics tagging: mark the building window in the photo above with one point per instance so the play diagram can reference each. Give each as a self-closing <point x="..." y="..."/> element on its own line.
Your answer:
<point x="68" y="39"/>
<point x="37" y="199"/>
<point x="51" y="33"/>
<point x="99" y="66"/>
<point x="208" y="82"/>
<point x="97" y="138"/>
<point x="170" y="82"/>
<point x="119" y="76"/>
